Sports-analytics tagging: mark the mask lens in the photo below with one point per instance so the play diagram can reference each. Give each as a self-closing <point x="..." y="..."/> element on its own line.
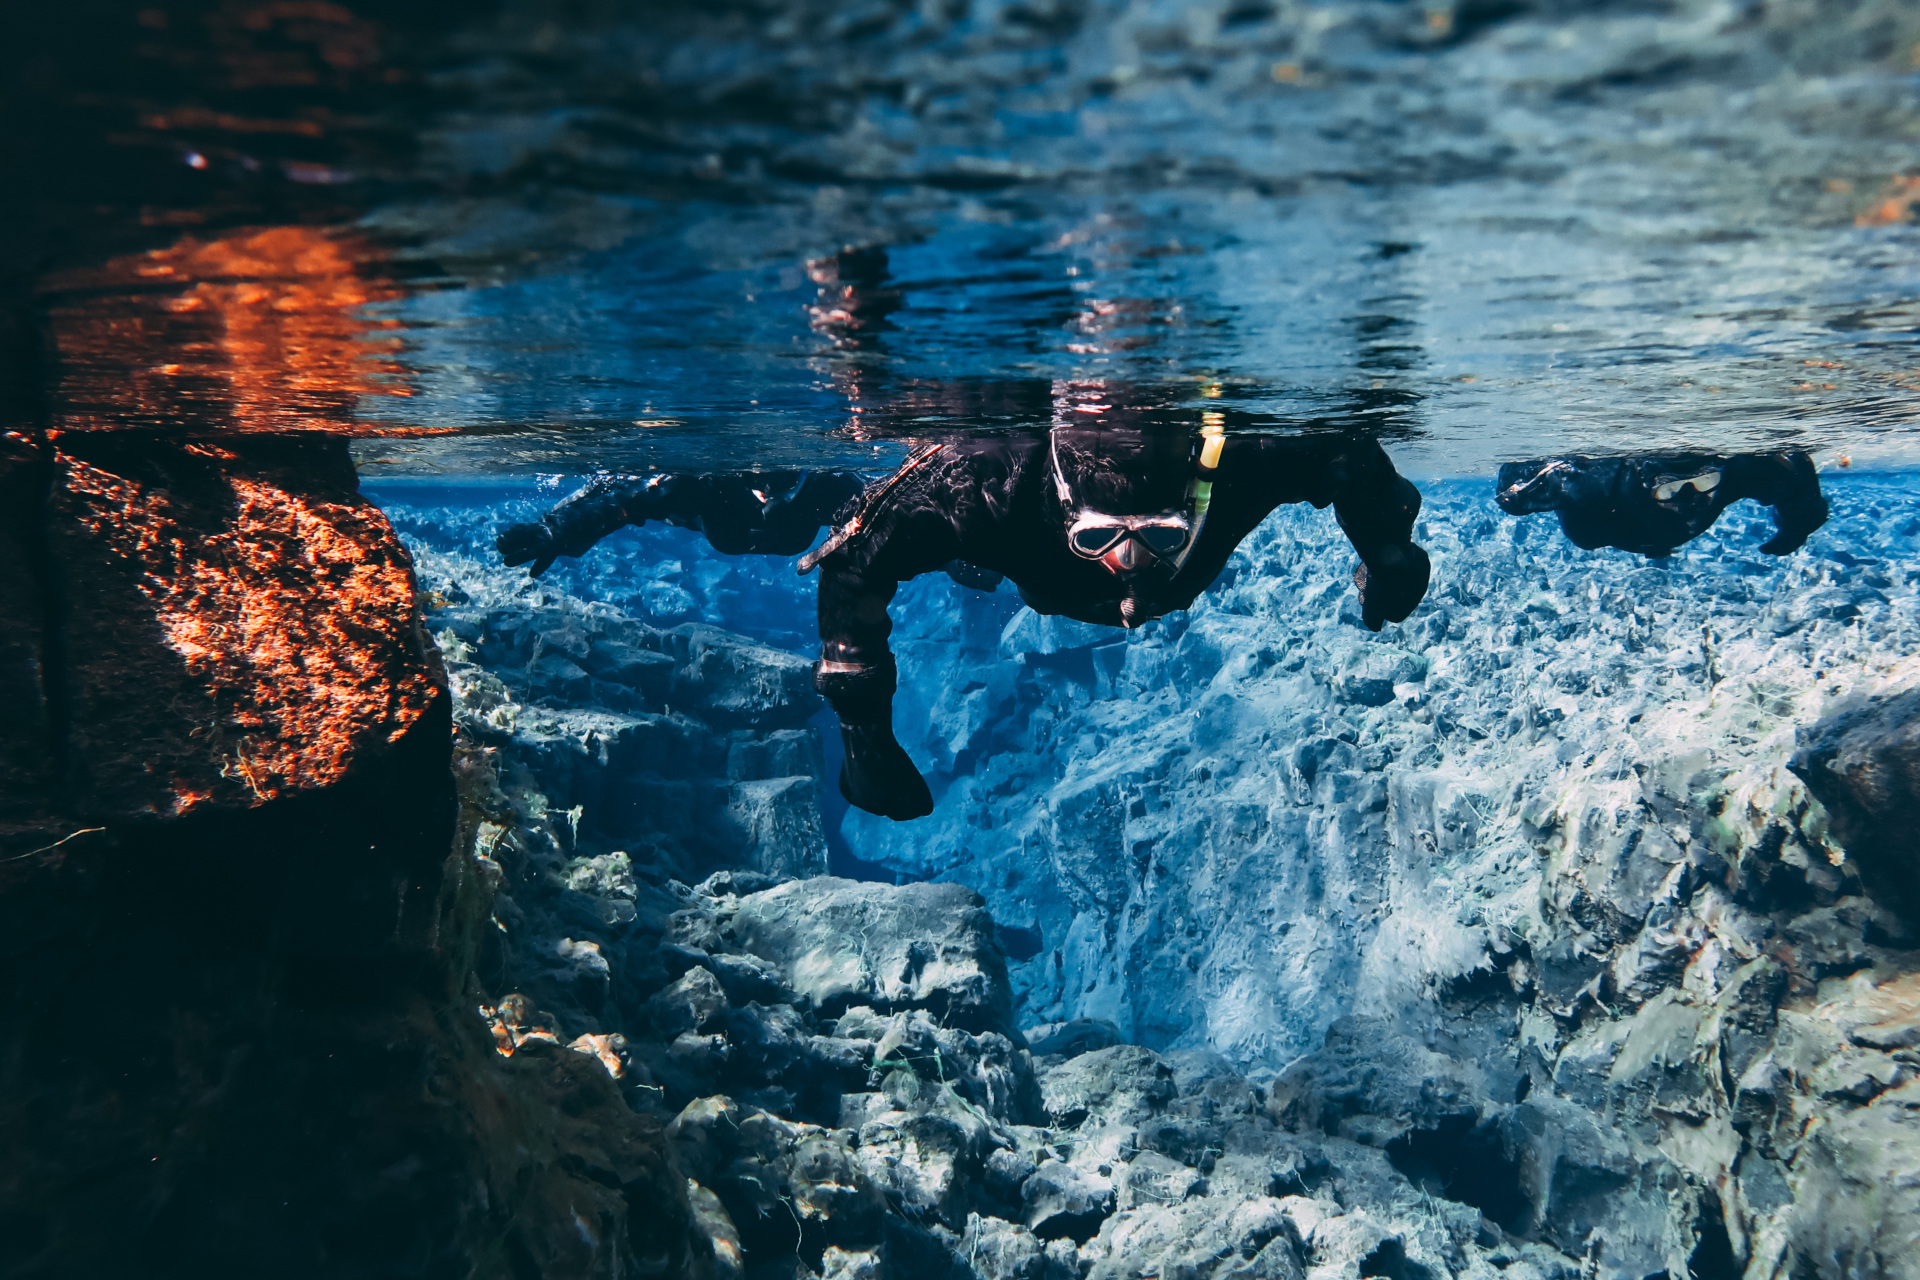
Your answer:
<point x="1671" y="489"/>
<point x="1096" y="539"/>
<point x="1162" y="539"/>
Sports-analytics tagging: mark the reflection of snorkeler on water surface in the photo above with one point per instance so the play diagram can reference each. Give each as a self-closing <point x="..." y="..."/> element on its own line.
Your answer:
<point x="1653" y="503"/>
<point x="1108" y="521"/>
<point x="853" y="298"/>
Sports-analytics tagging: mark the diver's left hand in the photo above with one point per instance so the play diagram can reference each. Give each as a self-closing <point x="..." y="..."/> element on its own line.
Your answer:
<point x="1393" y="585"/>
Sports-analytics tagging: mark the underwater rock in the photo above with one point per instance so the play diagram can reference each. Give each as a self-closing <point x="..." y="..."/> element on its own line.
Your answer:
<point x="1503" y="942"/>
<point x="222" y="625"/>
<point x="245" y="858"/>
<point x="1064" y="1202"/>
<point x="690" y="1004"/>
<point x="1070" y="1039"/>
<point x="689" y="746"/>
<point x="839" y="943"/>
<point x="836" y="1067"/>
<point x="1863" y="764"/>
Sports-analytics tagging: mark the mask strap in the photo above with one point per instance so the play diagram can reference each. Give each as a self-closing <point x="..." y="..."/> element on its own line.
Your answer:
<point x="1059" y="481"/>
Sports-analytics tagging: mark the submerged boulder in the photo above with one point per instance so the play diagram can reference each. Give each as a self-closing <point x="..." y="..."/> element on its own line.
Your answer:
<point x="221" y="626"/>
<point x="840" y="943"/>
<point x="1863" y="764"/>
<point x="229" y="850"/>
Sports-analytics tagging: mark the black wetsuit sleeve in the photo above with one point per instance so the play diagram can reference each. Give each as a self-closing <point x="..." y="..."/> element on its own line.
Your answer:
<point x="856" y="669"/>
<point x="1789" y="484"/>
<point x="1377" y="507"/>
<point x="1375" y="504"/>
<point x="1523" y="488"/>
<point x="592" y="512"/>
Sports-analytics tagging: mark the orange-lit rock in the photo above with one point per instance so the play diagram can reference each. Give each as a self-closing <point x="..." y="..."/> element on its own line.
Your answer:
<point x="239" y="624"/>
<point x="606" y="1048"/>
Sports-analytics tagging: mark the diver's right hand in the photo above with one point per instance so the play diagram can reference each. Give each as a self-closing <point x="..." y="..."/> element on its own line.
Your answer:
<point x="878" y="776"/>
<point x="519" y="543"/>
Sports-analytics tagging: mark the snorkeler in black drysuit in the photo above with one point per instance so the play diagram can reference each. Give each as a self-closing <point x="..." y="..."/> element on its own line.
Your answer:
<point x="775" y="513"/>
<point x="1109" y="524"/>
<point x="1652" y="504"/>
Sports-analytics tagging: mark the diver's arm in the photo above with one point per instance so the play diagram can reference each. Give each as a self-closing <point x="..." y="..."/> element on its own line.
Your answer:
<point x="857" y="675"/>
<point x="591" y="513"/>
<point x="1523" y="488"/>
<point x="856" y="671"/>
<point x="1788" y="483"/>
<point x="1377" y="506"/>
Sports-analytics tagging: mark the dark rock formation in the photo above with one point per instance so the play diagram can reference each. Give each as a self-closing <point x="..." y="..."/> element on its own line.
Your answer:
<point x="1863" y="764"/>
<point x="203" y="625"/>
<point x="685" y="747"/>
<point x="237" y="916"/>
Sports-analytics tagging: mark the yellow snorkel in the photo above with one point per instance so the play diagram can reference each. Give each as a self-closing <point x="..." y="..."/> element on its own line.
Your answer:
<point x="1213" y="442"/>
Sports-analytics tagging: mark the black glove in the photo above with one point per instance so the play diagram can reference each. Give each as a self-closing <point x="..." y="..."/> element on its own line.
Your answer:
<point x="1393" y="585"/>
<point x="877" y="775"/>
<point x="1793" y="525"/>
<point x="519" y="543"/>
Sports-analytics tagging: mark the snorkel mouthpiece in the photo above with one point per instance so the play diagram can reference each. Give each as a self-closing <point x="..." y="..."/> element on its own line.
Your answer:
<point x="1129" y="555"/>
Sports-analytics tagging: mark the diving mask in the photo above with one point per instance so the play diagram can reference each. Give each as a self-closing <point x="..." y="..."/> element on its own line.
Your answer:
<point x="1669" y="490"/>
<point x="1092" y="534"/>
<point x="1127" y="544"/>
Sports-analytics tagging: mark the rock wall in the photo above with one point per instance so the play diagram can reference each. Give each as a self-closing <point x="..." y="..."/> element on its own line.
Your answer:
<point x="238" y="915"/>
<point x="1520" y="892"/>
<point x="687" y="746"/>
<point x="196" y="625"/>
<point x="839" y="1065"/>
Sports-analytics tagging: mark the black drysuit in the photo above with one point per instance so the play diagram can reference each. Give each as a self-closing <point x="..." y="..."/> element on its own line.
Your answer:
<point x="1005" y="505"/>
<point x="752" y="513"/>
<point x="1654" y="503"/>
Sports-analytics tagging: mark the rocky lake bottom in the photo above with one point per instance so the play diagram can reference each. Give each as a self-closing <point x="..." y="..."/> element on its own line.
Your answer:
<point x="1508" y="940"/>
